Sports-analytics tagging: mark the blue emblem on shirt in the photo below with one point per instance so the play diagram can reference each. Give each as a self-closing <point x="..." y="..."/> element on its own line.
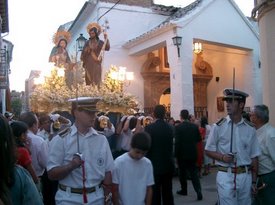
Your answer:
<point x="100" y="162"/>
<point x="245" y="146"/>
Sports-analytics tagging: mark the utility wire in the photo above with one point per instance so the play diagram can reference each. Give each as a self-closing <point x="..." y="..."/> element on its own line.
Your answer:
<point x="108" y="10"/>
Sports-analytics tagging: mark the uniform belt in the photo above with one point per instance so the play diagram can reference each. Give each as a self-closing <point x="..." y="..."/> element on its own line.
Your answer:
<point x="237" y="170"/>
<point x="78" y="190"/>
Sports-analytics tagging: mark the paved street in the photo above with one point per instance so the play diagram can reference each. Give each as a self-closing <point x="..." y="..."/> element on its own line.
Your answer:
<point x="208" y="191"/>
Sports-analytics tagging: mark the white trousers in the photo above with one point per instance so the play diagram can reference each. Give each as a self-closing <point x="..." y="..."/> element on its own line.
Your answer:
<point x="226" y="193"/>
<point x="68" y="198"/>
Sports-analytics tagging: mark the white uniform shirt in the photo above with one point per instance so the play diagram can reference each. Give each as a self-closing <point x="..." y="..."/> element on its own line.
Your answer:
<point x="245" y="142"/>
<point x="132" y="177"/>
<point x="39" y="153"/>
<point x="266" y="137"/>
<point x="95" y="152"/>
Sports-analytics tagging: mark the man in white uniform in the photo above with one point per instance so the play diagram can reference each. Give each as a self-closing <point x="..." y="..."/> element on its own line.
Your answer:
<point x="235" y="154"/>
<point x="266" y="174"/>
<point x="37" y="145"/>
<point x="80" y="159"/>
<point x="49" y="126"/>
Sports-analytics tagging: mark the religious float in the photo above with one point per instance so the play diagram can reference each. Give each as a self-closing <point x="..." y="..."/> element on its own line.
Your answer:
<point x="53" y="94"/>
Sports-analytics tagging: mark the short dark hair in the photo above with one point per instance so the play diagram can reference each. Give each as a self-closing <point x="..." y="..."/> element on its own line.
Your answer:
<point x="204" y="121"/>
<point x="159" y="111"/>
<point x="262" y="112"/>
<point x="18" y="128"/>
<point x="184" y="114"/>
<point x="29" y="118"/>
<point x="141" y="140"/>
<point x="43" y="117"/>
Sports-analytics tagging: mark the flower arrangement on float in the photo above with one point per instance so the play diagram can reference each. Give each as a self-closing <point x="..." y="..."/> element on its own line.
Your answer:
<point x="53" y="94"/>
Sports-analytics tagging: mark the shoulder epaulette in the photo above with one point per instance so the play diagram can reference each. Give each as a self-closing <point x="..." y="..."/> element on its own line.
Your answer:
<point x="248" y="122"/>
<point x="221" y="121"/>
<point x="64" y="132"/>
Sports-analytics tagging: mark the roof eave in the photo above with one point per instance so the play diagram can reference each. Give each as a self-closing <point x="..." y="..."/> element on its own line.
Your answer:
<point x="150" y="34"/>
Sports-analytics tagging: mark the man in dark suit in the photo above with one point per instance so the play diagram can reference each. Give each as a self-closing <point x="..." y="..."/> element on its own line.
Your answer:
<point x="161" y="156"/>
<point x="187" y="136"/>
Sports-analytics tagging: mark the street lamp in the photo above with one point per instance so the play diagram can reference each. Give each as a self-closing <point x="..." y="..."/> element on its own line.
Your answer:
<point x="177" y="42"/>
<point x="80" y="43"/>
<point x="81" y="40"/>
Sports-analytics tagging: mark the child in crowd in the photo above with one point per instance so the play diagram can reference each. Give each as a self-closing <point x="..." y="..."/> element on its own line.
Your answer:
<point x="133" y="173"/>
<point x="19" y="130"/>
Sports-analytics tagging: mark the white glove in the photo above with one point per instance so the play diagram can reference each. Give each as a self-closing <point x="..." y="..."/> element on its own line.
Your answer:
<point x="123" y="118"/>
<point x="103" y="117"/>
<point x="54" y="117"/>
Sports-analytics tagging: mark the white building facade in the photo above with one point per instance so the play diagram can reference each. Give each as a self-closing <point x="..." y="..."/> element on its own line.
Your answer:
<point x="141" y="39"/>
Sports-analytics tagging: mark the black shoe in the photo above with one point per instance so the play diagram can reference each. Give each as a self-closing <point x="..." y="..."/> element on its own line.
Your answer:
<point x="181" y="192"/>
<point x="199" y="196"/>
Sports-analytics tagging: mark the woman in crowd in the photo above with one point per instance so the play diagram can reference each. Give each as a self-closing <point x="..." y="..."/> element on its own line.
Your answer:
<point x="16" y="185"/>
<point x="206" y="160"/>
<point x="200" y="146"/>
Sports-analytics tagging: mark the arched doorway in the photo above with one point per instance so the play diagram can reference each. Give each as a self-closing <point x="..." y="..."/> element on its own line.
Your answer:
<point x="156" y="77"/>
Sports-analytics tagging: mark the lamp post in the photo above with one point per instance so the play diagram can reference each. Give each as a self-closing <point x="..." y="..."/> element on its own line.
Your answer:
<point x="81" y="40"/>
<point x="177" y="42"/>
<point x="80" y="43"/>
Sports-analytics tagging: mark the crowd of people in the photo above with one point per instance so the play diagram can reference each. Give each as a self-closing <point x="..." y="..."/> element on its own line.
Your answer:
<point x="88" y="157"/>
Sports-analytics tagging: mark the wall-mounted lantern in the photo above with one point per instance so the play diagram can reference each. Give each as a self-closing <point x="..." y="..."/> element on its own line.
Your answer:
<point x="177" y="42"/>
